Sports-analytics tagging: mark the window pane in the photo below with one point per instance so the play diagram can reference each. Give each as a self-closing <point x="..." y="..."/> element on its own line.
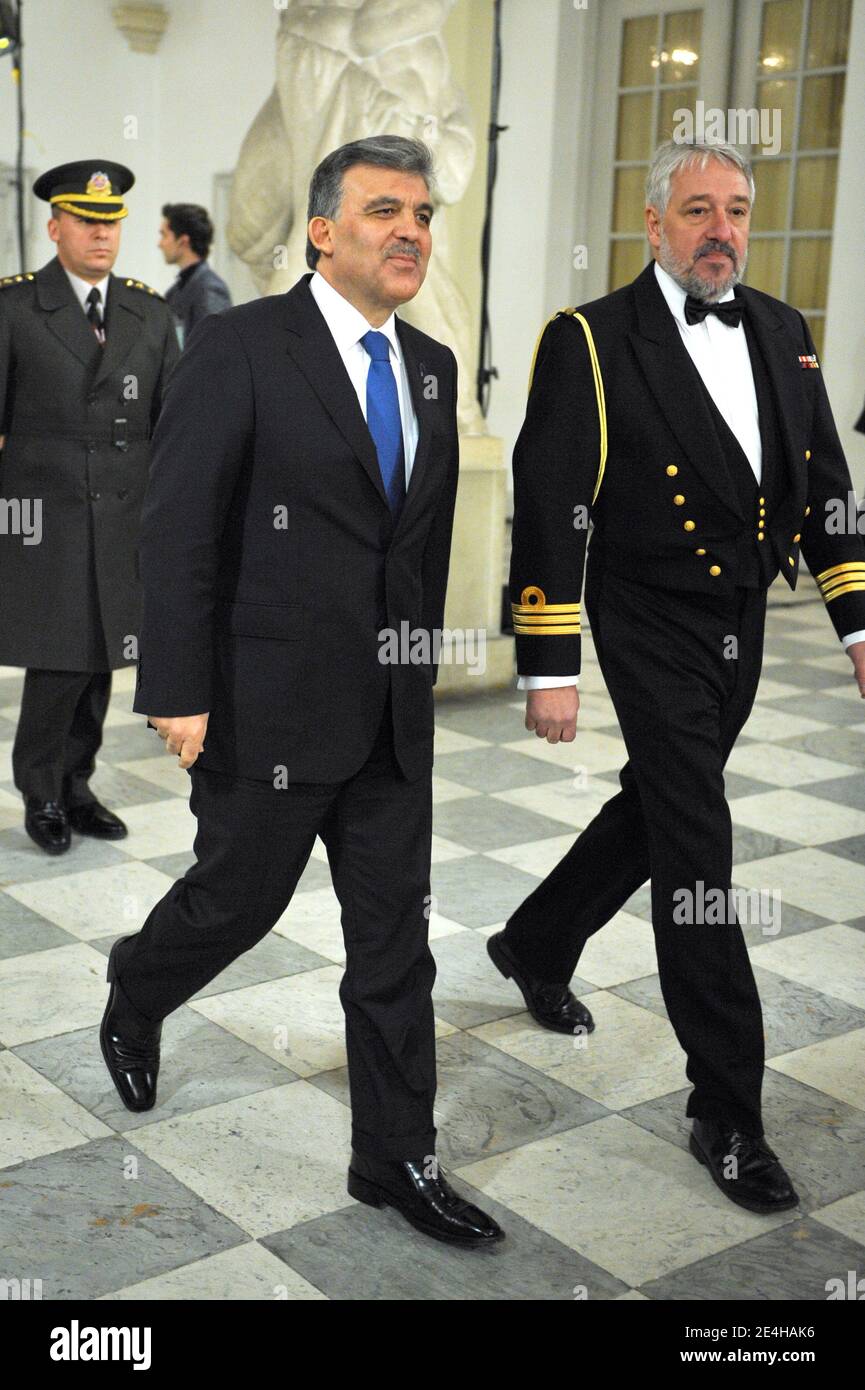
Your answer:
<point x="809" y="271"/>
<point x="780" y="96"/>
<point x="680" y="54"/>
<point x="672" y="100"/>
<point x="635" y="126"/>
<point x="779" y="42"/>
<point x="822" y="102"/>
<point x="814" y="201"/>
<point x="828" y="33"/>
<point x="766" y="265"/>
<point x="627" y="259"/>
<point x="639" y="40"/>
<point x="772" y="182"/>
<point x="629" y="200"/>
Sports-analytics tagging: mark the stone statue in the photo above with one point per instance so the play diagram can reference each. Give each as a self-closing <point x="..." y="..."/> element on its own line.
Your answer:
<point x="347" y="69"/>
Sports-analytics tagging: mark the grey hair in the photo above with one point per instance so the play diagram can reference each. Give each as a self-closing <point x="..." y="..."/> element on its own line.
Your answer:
<point x="385" y="151"/>
<point x="674" y="155"/>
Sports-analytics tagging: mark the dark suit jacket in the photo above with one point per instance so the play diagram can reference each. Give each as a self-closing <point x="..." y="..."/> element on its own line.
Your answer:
<point x="269" y="558"/>
<point x="202" y="293"/>
<point x="658" y="421"/>
<point x="77" y="419"/>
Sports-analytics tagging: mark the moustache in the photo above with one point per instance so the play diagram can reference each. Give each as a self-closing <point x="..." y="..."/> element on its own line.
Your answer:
<point x="403" y="251"/>
<point x="713" y="247"/>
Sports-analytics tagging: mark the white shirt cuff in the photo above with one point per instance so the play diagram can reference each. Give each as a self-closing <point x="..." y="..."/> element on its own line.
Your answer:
<point x="545" y="682"/>
<point x="853" y="637"/>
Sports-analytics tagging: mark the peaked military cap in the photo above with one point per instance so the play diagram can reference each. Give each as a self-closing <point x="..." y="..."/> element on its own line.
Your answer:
<point x="88" y="188"/>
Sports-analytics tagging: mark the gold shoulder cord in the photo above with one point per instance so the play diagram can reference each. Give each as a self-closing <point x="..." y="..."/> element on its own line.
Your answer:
<point x="599" y="386"/>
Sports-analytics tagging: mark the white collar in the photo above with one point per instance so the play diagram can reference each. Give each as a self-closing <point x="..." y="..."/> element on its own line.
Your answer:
<point x="83" y="287"/>
<point x="346" y="323"/>
<point x="676" y="296"/>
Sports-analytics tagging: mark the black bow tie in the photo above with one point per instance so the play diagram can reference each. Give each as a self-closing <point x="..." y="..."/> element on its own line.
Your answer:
<point x="730" y="312"/>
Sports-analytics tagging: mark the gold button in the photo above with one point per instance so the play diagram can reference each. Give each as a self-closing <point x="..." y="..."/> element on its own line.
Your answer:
<point x="761" y="535"/>
<point x="790" y="560"/>
<point x="701" y="551"/>
<point x="762" y="511"/>
<point x="679" y="500"/>
<point x="797" y="538"/>
<point x="762" y="501"/>
<point x="807" y="455"/>
<point x="807" y="511"/>
<point x="690" y="525"/>
<point x="672" y="470"/>
<point x="715" y="570"/>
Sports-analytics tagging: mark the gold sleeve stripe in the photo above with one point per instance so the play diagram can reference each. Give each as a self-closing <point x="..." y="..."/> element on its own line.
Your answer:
<point x="532" y="608"/>
<point x="847" y="567"/>
<point x="547" y="620"/>
<point x="563" y="630"/>
<point x="598" y="380"/>
<point x="857" y="586"/>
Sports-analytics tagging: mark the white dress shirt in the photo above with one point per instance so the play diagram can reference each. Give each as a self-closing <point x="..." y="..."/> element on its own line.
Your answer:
<point x="83" y="287"/>
<point x="721" y="356"/>
<point x="347" y="326"/>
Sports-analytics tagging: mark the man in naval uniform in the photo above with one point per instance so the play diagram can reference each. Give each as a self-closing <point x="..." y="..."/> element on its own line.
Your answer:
<point x="690" y="419"/>
<point x="84" y="356"/>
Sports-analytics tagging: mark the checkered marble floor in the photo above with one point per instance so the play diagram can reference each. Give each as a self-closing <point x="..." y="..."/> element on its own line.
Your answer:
<point x="234" y="1186"/>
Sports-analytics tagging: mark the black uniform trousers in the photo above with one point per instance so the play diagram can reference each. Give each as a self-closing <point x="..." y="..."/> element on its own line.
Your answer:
<point x="59" y="734"/>
<point x="682" y="691"/>
<point x="252" y="844"/>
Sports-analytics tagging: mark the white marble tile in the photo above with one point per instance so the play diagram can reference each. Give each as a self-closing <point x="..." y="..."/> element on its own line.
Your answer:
<point x="829" y="959"/>
<point x="576" y="805"/>
<point x="833" y="888"/>
<point x="783" y="767"/>
<point x="169" y="828"/>
<point x="164" y="773"/>
<point x="443" y="850"/>
<point x="847" y="1215"/>
<point x="11" y="810"/>
<point x="798" y="816"/>
<point x="445" y="790"/>
<point x="96" y="902"/>
<point x="443" y="926"/>
<point x="6" y="760"/>
<point x="448" y="741"/>
<point x="123" y="681"/>
<point x="266" y="1161"/>
<point x="624" y="949"/>
<point x="47" y="993"/>
<point x="36" y="1117"/>
<point x="244" y="1272"/>
<point x="593" y="753"/>
<point x="835" y="1065"/>
<point x="634" y="1204"/>
<point x="631" y="1057"/>
<point x="537" y="857"/>
<point x="768" y="725"/>
<point x="312" y="918"/>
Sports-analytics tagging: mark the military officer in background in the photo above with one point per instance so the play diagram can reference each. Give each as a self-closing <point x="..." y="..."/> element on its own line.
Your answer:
<point x="84" y="357"/>
<point x="687" y="415"/>
<point x="185" y="234"/>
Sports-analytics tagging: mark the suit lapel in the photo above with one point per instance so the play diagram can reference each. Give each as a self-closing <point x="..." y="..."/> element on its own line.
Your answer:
<point x="667" y="367"/>
<point x="122" y="328"/>
<point x="415" y="371"/>
<point x="315" y="354"/>
<point x="65" y="317"/>
<point x="781" y="358"/>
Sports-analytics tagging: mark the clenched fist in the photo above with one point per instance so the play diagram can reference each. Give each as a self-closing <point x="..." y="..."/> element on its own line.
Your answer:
<point x="183" y="736"/>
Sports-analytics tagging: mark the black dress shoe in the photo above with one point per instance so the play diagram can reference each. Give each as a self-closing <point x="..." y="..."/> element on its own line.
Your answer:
<point x="47" y="823"/>
<point x="92" y="818"/>
<point x="130" y="1045"/>
<point x="552" y="1006"/>
<point x="760" y="1184"/>
<point x="428" y="1204"/>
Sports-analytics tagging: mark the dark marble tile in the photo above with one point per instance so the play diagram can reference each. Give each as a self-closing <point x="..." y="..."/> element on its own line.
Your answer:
<point x="22" y="860"/>
<point x="75" y="1221"/>
<point x="800" y="674"/>
<point x="736" y="785"/>
<point x="483" y="823"/>
<point x="272" y="958"/>
<point x="844" y="745"/>
<point x="123" y="742"/>
<point x="116" y="788"/>
<point x="484" y="716"/>
<point x="795" y="1262"/>
<point x="478" y="892"/>
<point x="495" y="769"/>
<point x="175" y="865"/>
<point x="816" y="706"/>
<point x="22" y="930"/>
<point x="852" y="848"/>
<point x="362" y="1253"/>
<point x="847" y="791"/>
<point x="751" y="844"/>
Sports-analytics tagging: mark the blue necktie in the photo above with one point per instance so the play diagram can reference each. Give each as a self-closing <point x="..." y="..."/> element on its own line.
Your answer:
<point x="383" y="418"/>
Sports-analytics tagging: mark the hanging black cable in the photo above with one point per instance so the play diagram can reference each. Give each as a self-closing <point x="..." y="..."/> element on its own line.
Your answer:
<point x="486" y="371"/>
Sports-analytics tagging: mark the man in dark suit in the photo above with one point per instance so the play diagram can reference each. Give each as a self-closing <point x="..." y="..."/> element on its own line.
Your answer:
<point x="185" y="236"/>
<point x="84" y="357"/>
<point x="300" y="507"/>
<point x="693" y="424"/>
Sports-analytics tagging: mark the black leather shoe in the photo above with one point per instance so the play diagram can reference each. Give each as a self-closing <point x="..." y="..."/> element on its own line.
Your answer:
<point x="130" y="1045"/>
<point x="760" y="1184"/>
<point x="428" y="1204"/>
<point x="94" y="819"/>
<point x="47" y="823"/>
<point x="552" y="1006"/>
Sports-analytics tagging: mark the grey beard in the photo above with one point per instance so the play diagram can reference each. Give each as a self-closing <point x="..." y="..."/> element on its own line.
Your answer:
<point x="686" y="276"/>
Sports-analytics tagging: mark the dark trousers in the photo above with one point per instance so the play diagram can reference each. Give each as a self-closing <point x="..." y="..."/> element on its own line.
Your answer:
<point x="59" y="734"/>
<point x="682" y="691"/>
<point x="252" y="844"/>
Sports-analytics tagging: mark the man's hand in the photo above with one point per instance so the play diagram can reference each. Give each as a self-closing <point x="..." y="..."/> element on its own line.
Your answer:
<point x="553" y="713"/>
<point x="856" y="653"/>
<point x="185" y="736"/>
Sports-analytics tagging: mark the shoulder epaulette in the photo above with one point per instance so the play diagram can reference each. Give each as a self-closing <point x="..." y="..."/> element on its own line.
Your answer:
<point x="137" y="285"/>
<point x="8" y="280"/>
<point x="598" y="380"/>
